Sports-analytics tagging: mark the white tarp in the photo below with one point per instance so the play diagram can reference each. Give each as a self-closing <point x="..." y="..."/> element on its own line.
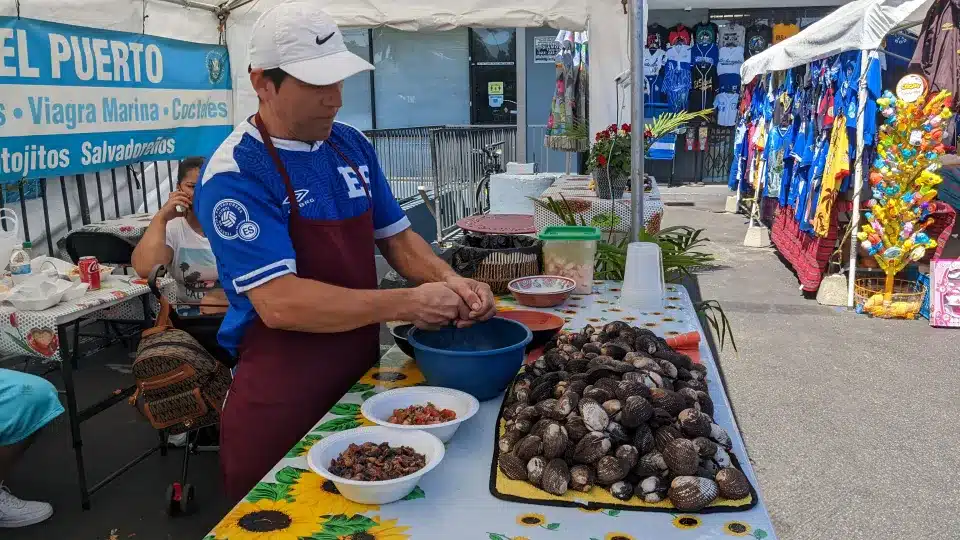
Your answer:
<point x="859" y="25"/>
<point x="439" y="15"/>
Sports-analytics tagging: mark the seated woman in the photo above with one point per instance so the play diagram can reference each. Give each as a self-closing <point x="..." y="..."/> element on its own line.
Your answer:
<point x="175" y="240"/>
<point x="27" y="403"/>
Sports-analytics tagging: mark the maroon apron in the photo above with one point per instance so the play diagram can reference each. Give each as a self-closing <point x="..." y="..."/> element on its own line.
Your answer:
<point x="286" y="381"/>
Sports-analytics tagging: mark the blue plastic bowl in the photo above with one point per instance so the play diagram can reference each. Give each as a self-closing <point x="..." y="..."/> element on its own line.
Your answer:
<point x="480" y="360"/>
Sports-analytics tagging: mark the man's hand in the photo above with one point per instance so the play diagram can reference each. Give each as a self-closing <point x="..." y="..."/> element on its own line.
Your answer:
<point x="169" y="209"/>
<point x="434" y="305"/>
<point x="477" y="299"/>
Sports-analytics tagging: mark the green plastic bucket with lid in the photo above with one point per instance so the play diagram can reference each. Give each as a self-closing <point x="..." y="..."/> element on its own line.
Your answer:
<point x="569" y="251"/>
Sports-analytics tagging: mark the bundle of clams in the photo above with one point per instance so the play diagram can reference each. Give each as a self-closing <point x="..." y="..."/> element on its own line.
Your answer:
<point x="616" y="407"/>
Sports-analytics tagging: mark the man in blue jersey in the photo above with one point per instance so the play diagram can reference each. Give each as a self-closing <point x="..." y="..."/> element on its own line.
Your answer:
<point x="293" y="204"/>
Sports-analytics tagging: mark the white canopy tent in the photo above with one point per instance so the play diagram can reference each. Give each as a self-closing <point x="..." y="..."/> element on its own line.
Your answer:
<point x="861" y="25"/>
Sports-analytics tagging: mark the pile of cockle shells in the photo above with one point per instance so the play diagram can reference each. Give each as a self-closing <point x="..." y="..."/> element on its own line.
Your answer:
<point x="616" y="407"/>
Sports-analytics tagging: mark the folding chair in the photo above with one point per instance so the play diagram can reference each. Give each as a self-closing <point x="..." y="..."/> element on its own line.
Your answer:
<point x="111" y="250"/>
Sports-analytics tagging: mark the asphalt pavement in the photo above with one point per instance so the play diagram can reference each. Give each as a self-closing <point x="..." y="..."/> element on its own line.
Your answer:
<point x="851" y="422"/>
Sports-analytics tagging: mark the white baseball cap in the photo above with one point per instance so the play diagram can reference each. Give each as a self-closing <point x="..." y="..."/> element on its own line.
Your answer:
<point x="304" y="41"/>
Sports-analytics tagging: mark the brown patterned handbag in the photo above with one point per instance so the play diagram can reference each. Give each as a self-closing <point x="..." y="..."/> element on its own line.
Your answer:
<point x="180" y="385"/>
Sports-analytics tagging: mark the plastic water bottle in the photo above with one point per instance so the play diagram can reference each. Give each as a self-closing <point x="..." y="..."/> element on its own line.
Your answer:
<point x="20" y="263"/>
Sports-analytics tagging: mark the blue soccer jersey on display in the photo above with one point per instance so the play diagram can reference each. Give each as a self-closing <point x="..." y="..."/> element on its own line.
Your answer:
<point x="243" y="206"/>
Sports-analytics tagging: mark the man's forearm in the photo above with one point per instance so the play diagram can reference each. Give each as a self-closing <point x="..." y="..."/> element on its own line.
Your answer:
<point x="410" y="255"/>
<point x="305" y="305"/>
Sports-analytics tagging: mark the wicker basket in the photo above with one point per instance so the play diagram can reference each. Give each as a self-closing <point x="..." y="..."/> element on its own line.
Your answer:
<point x="905" y="303"/>
<point x="499" y="269"/>
<point x="497" y="259"/>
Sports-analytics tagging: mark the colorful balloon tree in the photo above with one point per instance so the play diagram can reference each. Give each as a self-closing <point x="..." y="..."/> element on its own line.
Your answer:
<point x="903" y="181"/>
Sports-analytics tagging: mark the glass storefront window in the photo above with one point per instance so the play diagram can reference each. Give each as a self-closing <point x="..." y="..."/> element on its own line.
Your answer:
<point x="422" y="78"/>
<point x="356" y="90"/>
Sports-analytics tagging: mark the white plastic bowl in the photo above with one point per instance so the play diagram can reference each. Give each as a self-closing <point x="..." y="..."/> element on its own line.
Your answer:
<point x="380" y="407"/>
<point x="383" y="491"/>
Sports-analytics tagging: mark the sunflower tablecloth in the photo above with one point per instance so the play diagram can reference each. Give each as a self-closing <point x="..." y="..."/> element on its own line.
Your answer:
<point x="454" y="500"/>
<point x="34" y="333"/>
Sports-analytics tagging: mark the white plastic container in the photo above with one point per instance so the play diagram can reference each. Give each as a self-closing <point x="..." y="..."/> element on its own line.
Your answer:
<point x="9" y="238"/>
<point x="20" y="263"/>
<point x="570" y="251"/>
<point x="383" y="491"/>
<point x="643" y="286"/>
<point x="379" y="408"/>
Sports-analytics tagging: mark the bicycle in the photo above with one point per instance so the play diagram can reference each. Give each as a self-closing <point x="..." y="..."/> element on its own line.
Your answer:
<point x="491" y="165"/>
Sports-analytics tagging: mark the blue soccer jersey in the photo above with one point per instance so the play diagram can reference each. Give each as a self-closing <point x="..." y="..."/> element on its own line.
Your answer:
<point x="244" y="209"/>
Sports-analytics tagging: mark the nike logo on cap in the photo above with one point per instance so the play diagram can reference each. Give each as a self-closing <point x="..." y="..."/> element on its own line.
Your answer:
<point x="321" y="41"/>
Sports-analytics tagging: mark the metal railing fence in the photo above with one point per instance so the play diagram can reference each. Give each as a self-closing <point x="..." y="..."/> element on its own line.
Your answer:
<point x="49" y="208"/>
<point x="458" y="168"/>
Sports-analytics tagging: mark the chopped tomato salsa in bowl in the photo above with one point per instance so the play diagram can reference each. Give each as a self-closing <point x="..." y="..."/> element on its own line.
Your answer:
<point x="436" y="410"/>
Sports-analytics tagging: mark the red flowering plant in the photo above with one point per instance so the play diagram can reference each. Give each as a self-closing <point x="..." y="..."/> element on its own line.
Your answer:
<point x="611" y="148"/>
<point x="612" y="145"/>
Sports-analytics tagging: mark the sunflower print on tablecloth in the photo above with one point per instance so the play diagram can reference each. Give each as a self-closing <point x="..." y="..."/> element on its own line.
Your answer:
<point x="739" y="528"/>
<point x="383" y="529"/>
<point x="686" y="521"/>
<point x="536" y="520"/>
<point x="383" y="377"/>
<point x="323" y="498"/>
<point x="268" y="520"/>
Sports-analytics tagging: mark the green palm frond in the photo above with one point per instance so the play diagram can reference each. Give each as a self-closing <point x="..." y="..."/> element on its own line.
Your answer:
<point x="668" y="123"/>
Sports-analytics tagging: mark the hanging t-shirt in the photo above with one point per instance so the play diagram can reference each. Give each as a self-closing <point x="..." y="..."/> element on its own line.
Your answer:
<point x="726" y="106"/>
<point x="679" y="34"/>
<point x="811" y="194"/>
<point x="802" y="154"/>
<point x="903" y="46"/>
<point x="837" y="167"/>
<point x="653" y="62"/>
<point x="703" y="86"/>
<point x="758" y="171"/>
<point x="703" y="58"/>
<point x="779" y="140"/>
<point x="729" y="60"/>
<point x="657" y="36"/>
<point x="782" y="31"/>
<point x="731" y="35"/>
<point x="705" y="34"/>
<point x="758" y="39"/>
<point x="739" y="155"/>
<point x="677" y="77"/>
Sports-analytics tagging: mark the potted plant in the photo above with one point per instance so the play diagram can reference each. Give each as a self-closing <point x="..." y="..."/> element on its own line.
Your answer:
<point x="610" y="161"/>
<point x="609" y="157"/>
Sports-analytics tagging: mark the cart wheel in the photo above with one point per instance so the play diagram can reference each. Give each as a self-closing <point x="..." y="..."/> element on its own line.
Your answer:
<point x="172" y="505"/>
<point x="187" y="505"/>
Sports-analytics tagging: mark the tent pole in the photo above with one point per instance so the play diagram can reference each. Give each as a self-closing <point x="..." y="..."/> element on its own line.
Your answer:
<point x="192" y="4"/>
<point x="857" y="176"/>
<point x="521" y="41"/>
<point x="636" y="29"/>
